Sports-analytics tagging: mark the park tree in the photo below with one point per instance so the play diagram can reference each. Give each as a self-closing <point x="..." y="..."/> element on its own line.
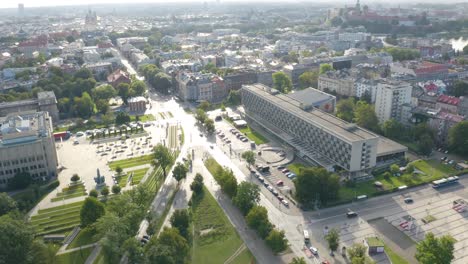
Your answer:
<point x="309" y="79"/>
<point x="84" y="106"/>
<point x="435" y="250"/>
<point x="209" y="126"/>
<point x="200" y="116"/>
<point x="135" y="251"/>
<point x="119" y="170"/>
<point x="257" y="219"/>
<point x="357" y="254"/>
<point x="162" y="82"/>
<point x="365" y="116"/>
<point x="316" y="185"/>
<point x="93" y="193"/>
<point x="325" y="67"/>
<point x="16" y="238"/>
<point x="298" y="260"/>
<point x="116" y="189"/>
<point x="91" y="211"/>
<point x="180" y="219"/>
<point x="123" y="90"/>
<point x="75" y="178"/>
<point x="247" y="196"/>
<point x="197" y="185"/>
<point x="249" y="157"/>
<point x="458" y="138"/>
<point x="7" y="204"/>
<point x="394" y="169"/>
<point x="282" y="82"/>
<point x="105" y="191"/>
<point x="333" y="239"/>
<point x="425" y="144"/>
<point x="21" y="180"/>
<point x="392" y="129"/>
<point x="228" y="182"/>
<point x="233" y="98"/>
<point x="179" y="172"/>
<point x="83" y="73"/>
<point x="162" y="158"/>
<point x="460" y="89"/>
<point x="104" y="92"/>
<point x="102" y="106"/>
<point x="410" y="168"/>
<point x="122" y="118"/>
<point x="169" y="247"/>
<point x="277" y="241"/>
<point x="204" y="105"/>
<point x="138" y="88"/>
<point x="345" y="109"/>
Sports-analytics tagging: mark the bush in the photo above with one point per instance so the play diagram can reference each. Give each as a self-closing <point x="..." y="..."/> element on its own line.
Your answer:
<point x="105" y="191"/>
<point x="75" y="178"/>
<point x="93" y="193"/>
<point x="116" y="189"/>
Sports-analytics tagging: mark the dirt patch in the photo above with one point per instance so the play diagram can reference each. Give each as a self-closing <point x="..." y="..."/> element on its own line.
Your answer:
<point x="205" y="231"/>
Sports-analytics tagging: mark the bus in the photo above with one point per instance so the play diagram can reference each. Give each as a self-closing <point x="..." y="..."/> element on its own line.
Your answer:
<point x="306" y="236"/>
<point x="444" y="181"/>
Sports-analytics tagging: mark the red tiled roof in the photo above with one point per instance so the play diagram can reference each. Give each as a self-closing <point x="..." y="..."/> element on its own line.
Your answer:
<point x="105" y="45"/>
<point x="446" y="99"/>
<point x="450" y="117"/>
<point x="116" y="75"/>
<point x="431" y="87"/>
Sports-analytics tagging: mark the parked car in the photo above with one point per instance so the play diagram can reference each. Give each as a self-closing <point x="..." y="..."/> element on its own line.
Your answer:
<point x="280" y="183"/>
<point x="281" y="168"/>
<point x="314" y="250"/>
<point x="351" y="214"/>
<point x="285" y="171"/>
<point x="408" y="200"/>
<point x="286" y="203"/>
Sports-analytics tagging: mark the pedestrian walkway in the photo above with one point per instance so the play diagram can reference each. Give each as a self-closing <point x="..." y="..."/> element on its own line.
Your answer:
<point x="75" y="249"/>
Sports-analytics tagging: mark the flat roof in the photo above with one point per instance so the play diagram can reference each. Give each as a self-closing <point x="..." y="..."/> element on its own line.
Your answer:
<point x="310" y="96"/>
<point x="325" y="121"/>
<point x="386" y="146"/>
<point x="374" y="242"/>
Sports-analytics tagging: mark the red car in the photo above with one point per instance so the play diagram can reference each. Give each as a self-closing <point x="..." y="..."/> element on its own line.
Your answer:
<point x="280" y="183"/>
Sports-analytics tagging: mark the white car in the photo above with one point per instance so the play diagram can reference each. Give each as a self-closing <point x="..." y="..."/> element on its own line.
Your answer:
<point x="314" y="250"/>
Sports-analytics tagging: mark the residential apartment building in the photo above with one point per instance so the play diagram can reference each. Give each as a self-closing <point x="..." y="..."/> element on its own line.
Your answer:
<point x="46" y="101"/>
<point x="340" y="82"/>
<point x="390" y="97"/>
<point x="318" y="137"/>
<point x="200" y="87"/>
<point x="27" y="145"/>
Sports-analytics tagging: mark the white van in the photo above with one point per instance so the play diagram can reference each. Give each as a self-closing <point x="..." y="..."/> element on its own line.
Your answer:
<point x="306" y="236"/>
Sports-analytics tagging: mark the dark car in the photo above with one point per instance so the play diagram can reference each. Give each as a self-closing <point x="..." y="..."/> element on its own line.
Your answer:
<point x="351" y="214"/>
<point x="408" y="200"/>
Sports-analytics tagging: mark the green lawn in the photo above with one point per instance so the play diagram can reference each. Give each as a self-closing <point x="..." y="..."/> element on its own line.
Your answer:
<point x="122" y="180"/>
<point x="143" y="118"/>
<point x="76" y="257"/>
<point x="84" y="237"/>
<point x="213" y="166"/>
<point x="394" y="258"/>
<point x="70" y="192"/>
<point x="137" y="175"/>
<point x="219" y="240"/>
<point x="254" y="135"/>
<point x="131" y="162"/>
<point x="431" y="169"/>
<point x="57" y="220"/>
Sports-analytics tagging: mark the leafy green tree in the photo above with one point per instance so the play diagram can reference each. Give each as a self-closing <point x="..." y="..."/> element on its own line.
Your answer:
<point x="433" y="250"/>
<point x="162" y="82"/>
<point x="93" y="193"/>
<point x="333" y="239"/>
<point x="410" y="168"/>
<point x="104" y="92"/>
<point x="169" y="247"/>
<point x="74" y="178"/>
<point x="316" y="184"/>
<point x="394" y="169"/>
<point x="458" y="138"/>
<point x="365" y="116"/>
<point x="197" y="185"/>
<point x="21" y="180"/>
<point x="425" y="144"/>
<point x="200" y="116"/>
<point x="16" y="238"/>
<point x="345" y="109"/>
<point x="277" y="241"/>
<point x="325" y="67"/>
<point x="297" y="260"/>
<point x="247" y="196"/>
<point x="282" y="82"/>
<point x="228" y="182"/>
<point x="116" y="189"/>
<point x="122" y="118"/>
<point x="309" y="79"/>
<point x="392" y="129"/>
<point x="249" y="157"/>
<point x="83" y="73"/>
<point x="42" y="253"/>
<point x="180" y="219"/>
<point x="7" y="204"/>
<point x="123" y="90"/>
<point x="138" y="88"/>
<point x="179" y="172"/>
<point x="119" y="170"/>
<point x="257" y="219"/>
<point x="162" y="158"/>
<point x="84" y="105"/>
<point x="460" y="89"/>
<point x="102" y="106"/>
<point x="205" y="106"/>
<point x="357" y="254"/>
<point x="135" y="251"/>
<point x="209" y="126"/>
<point x="91" y="211"/>
<point x="234" y="98"/>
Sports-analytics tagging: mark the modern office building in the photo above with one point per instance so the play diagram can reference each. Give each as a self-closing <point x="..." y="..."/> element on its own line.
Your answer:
<point x="27" y="145"/>
<point x="317" y="136"/>
<point x="391" y="96"/>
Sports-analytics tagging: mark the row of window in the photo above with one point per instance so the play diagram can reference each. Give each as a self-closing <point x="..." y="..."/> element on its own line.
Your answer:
<point x="33" y="175"/>
<point x="22" y="160"/>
